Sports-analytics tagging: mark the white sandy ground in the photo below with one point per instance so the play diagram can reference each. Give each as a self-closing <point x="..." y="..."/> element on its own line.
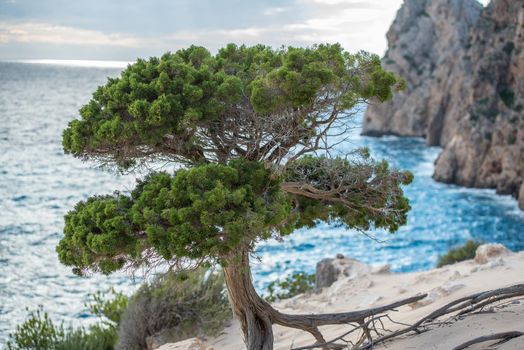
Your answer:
<point x="366" y="287"/>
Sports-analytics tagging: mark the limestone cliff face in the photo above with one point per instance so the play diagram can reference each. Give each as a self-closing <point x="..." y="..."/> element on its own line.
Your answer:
<point x="464" y="67"/>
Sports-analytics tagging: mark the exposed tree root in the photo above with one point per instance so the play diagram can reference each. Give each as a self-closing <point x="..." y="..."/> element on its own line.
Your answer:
<point x="373" y="331"/>
<point x="505" y="336"/>
<point x="257" y="316"/>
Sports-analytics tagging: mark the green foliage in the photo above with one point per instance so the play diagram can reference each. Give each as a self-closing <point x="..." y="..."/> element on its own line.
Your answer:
<point x="464" y="252"/>
<point x="157" y="106"/>
<point x="243" y="124"/>
<point x="109" y="309"/>
<point x="95" y="337"/>
<point x="206" y="212"/>
<point x="175" y="307"/>
<point x="492" y="114"/>
<point x="39" y="332"/>
<point x="199" y="213"/>
<point x="379" y="187"/>
<point x="507" y="95"/>
<point x="295" y="284"/>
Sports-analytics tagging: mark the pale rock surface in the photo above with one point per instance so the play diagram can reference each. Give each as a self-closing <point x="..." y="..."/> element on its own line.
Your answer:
<point x="330" y="270"/>
<point x="464" y="68"/>
<point x="486" y="252"/>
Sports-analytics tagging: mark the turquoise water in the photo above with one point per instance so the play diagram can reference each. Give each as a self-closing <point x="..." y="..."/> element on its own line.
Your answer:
<point x="39" y="184"/>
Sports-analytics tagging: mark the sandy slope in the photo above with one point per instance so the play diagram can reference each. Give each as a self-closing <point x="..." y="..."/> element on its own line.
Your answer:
<point x="365" y="287"/>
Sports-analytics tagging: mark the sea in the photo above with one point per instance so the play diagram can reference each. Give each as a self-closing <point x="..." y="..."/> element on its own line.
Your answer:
<point x="39" y="184"/>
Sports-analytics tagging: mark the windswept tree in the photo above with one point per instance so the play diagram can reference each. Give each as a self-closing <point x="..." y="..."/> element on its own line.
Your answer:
<point x="250" y="131"/>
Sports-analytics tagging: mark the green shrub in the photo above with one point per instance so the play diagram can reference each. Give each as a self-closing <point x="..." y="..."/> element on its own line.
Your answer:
<point x="297" y="283"/>
<point x="95" y="337"/>
<point x="110" y="310"/>
<point x="175" y="307"/>
<point x="39" y="332"/>
<point x="507" y="95"/>
<point x="492" y="114"/>
<point x="464" y="252"/>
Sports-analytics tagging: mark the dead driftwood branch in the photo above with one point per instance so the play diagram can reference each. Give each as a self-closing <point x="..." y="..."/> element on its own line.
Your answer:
<point x="505" y="336"/>
<point x="374" y="332"/>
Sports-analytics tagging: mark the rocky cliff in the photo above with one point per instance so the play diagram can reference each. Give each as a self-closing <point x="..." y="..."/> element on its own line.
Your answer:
<point x="464" y="68"/>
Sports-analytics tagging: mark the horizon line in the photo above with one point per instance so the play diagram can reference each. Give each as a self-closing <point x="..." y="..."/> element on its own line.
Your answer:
<point x="74" y="62"/>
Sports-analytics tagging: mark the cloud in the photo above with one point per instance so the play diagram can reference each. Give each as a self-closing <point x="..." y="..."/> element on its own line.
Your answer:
<point x="271" y="11"/>
<point x="357" y="25"/>
<point x="38" y="32"/>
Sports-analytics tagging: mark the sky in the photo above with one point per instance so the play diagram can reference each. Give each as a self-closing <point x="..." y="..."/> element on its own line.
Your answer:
<point x="126" y="29"/>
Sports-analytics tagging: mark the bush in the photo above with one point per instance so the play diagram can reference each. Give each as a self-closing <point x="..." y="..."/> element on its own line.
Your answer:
<point x="175" y="307"/>
<point x="39" y="332"/>
<point x="297" y="283"/>
<point x="464" y="252"/>
<point x="507" y="95"/>
<point x="109" y="310"/>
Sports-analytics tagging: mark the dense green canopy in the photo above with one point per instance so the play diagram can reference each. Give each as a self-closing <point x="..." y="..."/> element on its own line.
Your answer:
<point x="191" y="106"/>
<point x="251" y="127"/>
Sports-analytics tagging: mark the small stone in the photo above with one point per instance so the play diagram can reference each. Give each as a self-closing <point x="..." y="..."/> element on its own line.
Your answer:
<point x="382" y="269"/>
<point x="330" y="270"/>
<point x="456" y="275"/>
<point x="486" y="252"/>
<point x="326" y="273"/>
<point x="340" y="256"/>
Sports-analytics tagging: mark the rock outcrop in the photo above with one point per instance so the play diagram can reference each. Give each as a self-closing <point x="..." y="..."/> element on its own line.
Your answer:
<point x="464" y="68"/>
<point x="330" y="270"/>
<point x="486" y="252"/>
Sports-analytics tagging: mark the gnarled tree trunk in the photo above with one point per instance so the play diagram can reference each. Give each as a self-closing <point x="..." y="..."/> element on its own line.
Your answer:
<point x="257" y="316"/>
<point x="253" y="312"/>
